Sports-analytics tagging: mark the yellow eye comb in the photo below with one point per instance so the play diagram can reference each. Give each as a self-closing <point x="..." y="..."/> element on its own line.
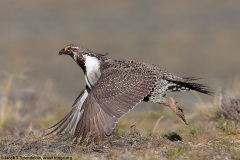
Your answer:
<point x="66" y="48"/>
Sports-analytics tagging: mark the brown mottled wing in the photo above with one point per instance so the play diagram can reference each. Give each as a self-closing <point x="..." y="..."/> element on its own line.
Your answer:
<point x="116" y="92"/>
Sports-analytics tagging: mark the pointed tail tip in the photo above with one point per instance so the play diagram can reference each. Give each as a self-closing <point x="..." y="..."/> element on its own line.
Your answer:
<point x="203" y="88"/>
<point x="206" y="90"/>
<point x="211" y="93"/>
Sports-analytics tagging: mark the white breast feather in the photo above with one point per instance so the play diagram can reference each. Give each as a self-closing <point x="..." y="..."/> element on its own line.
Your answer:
<point x="92" y="67"/>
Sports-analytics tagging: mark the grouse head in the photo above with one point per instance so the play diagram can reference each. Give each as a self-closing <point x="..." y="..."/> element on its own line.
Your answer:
<point x="85" y="58"/>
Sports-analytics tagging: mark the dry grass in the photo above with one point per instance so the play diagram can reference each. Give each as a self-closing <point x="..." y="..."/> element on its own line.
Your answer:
<point x="200" y="141"/>
<point x="213" y="132"/>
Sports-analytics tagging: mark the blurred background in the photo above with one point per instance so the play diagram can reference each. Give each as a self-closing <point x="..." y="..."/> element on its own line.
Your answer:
<point x="188" y="38"/>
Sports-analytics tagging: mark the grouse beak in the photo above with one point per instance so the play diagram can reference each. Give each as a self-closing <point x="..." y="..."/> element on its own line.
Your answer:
<point x="62" y="52"/>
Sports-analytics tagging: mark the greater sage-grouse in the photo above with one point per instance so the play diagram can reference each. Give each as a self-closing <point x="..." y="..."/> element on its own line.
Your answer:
<point x="114" y="87"/>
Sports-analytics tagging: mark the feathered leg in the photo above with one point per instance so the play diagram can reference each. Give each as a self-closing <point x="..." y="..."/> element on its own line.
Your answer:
<point x="172" y="104"/>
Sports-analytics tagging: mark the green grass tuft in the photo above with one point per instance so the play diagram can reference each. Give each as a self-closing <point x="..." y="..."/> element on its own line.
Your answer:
<point x="227" y="126"/>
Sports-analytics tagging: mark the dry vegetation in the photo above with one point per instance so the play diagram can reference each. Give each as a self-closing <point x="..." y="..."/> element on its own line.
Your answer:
<point x="213" y="132"/>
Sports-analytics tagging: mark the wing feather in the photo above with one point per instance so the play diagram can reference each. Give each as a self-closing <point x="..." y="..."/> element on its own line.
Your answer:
<point x="69" y="122"/>
<point x="116" y="92"/>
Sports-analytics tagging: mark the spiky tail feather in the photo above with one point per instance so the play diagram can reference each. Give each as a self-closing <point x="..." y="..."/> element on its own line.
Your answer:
<point x="187" y="85"/>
